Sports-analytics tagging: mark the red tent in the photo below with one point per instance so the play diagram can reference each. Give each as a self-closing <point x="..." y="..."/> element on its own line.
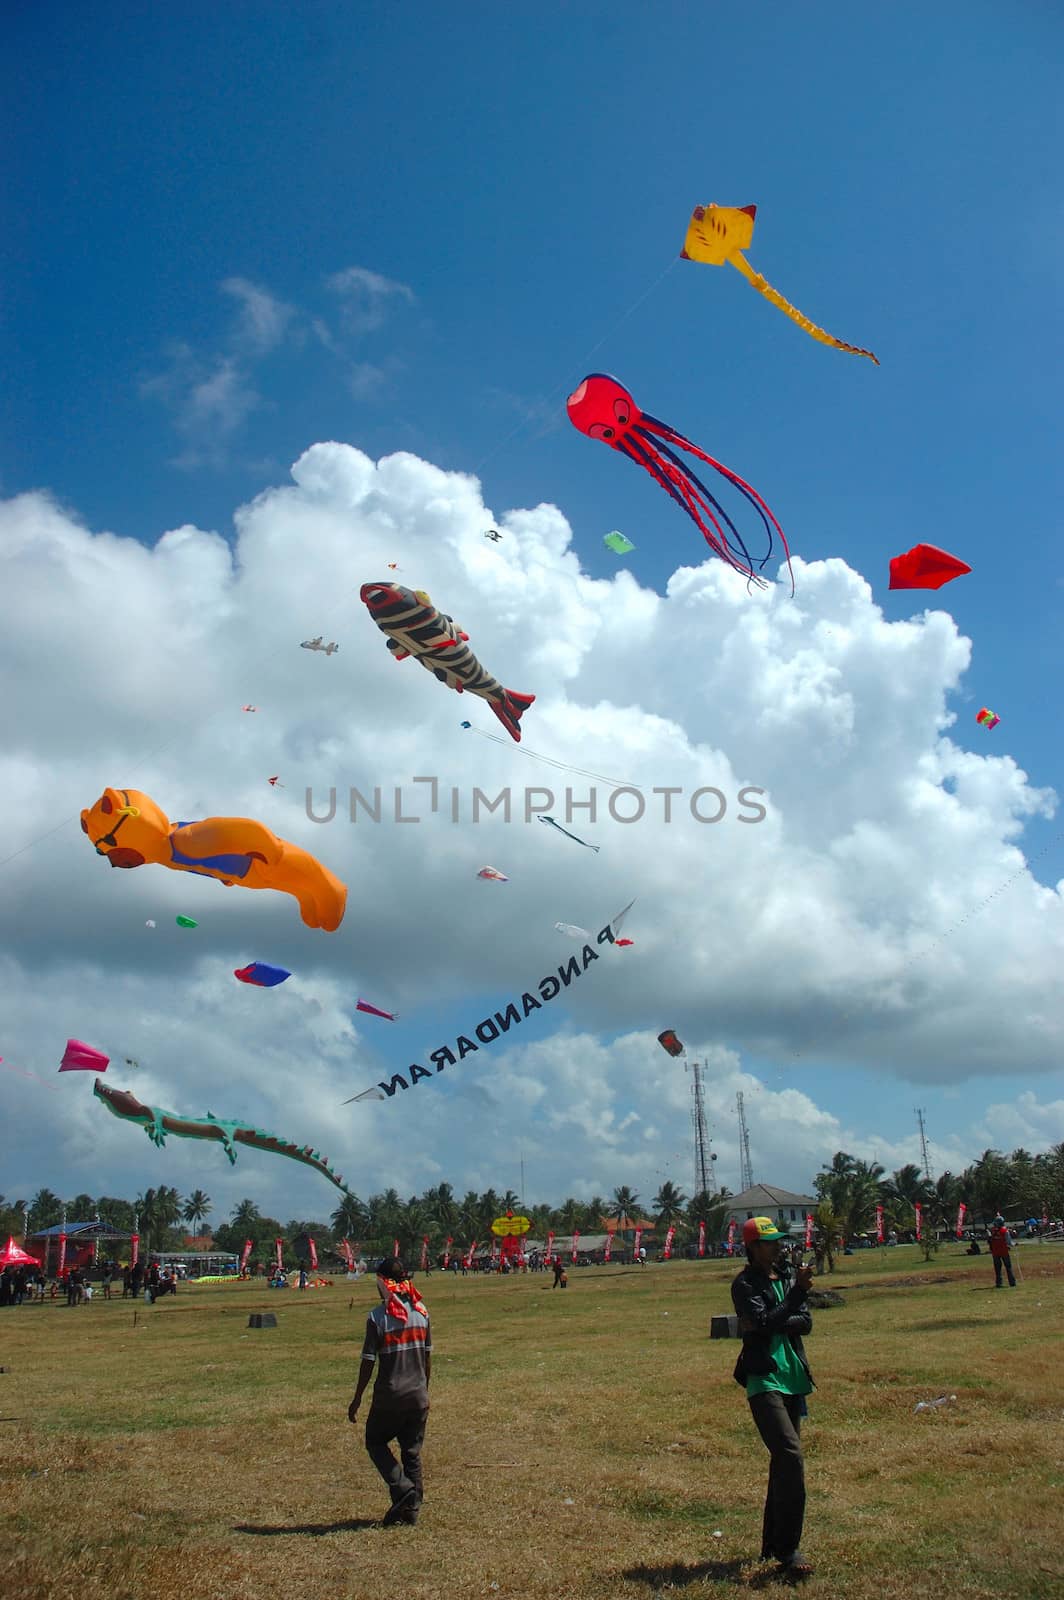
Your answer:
<point x="13" y="1256"/>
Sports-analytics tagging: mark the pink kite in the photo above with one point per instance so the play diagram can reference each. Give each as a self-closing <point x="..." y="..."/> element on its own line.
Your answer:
<point x="78" y="1057"/>
<point x="389" y="1016"/>
<point x="493" y="875"/>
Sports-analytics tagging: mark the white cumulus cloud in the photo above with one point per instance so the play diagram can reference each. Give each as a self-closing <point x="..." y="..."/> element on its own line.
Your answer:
<point x="801" y="936"/>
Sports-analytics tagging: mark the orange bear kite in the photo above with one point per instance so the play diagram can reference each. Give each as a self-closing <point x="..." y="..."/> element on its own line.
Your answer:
<point x="230" y="849"/>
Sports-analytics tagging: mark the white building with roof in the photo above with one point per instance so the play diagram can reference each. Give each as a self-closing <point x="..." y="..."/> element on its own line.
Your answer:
<point x="784" y="1208"/>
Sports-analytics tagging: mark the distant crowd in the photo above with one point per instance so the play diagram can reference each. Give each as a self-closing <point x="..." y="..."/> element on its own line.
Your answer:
<point x="22" y="1284"/>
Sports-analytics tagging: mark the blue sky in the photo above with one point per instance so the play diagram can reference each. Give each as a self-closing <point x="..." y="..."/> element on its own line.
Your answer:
<point x="233" y="232"/>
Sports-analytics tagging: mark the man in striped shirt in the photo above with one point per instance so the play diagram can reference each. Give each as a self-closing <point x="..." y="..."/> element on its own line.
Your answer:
<point x="398" y="1343"/>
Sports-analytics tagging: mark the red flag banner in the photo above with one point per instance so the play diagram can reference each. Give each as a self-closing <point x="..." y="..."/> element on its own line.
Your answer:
<point x="669" y="1237"/>
<point x="313" y="1254"/>
<point x="424" y="1252"/>
<point x="62" y="1255"/>
<point x="701" y="1239"/>
<point x="134" y="1249"/>
<point x="809" y="1230"/>
<point x="447" y="1253"/>
<point x="731" y="1236"/>
<point x="345" y="1246"/>
<point x="879" y="1225"/>
<point x="918" y="1208"/>
<point x="245" y="1254"/>
<point x="961" y="1209"/>
<point x="550" y="1248"/>
<point x="609" y="1246"/>
<point x="635" y="1244"/>
<point x="395" y="1247"/>
<point x="469" y="1256"/>
<point x="576" y="1236"/>
<point x="278" y="1245"/>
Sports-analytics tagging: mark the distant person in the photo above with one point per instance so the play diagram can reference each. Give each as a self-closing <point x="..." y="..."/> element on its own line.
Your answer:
<point x="772" y="1306"/>
<point x="559" y="1276"/>
<point x="1000" y="1250"/>
<point x="398" y="1343"/>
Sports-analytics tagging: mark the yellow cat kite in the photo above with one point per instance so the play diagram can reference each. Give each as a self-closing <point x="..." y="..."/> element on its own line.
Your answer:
<point x="717" y="234"/>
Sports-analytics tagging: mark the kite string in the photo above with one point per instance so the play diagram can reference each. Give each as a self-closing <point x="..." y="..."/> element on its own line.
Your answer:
<point x="559" y="388"/>
<point x="496" y="738"/>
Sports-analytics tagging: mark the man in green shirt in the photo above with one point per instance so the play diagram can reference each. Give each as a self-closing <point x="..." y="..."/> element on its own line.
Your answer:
<point x="771" y="1304"/>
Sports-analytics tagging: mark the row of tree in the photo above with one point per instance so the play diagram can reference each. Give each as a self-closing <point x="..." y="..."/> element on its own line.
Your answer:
<point x="848" y="1190"/>
<point x="437" y="1215"/>
<point x="1019" y="1186"/>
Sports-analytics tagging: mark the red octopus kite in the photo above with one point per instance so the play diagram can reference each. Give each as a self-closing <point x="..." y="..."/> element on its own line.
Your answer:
<point x="603" y="409"/>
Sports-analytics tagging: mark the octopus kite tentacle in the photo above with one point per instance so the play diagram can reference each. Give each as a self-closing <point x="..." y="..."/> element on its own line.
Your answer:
<point x="157" y="1123"/>
<point x="691" y="488"/>
<point x="602" y="408"/>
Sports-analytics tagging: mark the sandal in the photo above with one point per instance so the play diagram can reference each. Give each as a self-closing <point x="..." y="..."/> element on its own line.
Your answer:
<point x="796" y="1566"/>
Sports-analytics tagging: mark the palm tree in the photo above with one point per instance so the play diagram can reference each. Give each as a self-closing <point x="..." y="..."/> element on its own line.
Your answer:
<point x="350" y="1218"/>
<point x="490" y="1208"/>
<point x="469" y="1215"/>
<point x="903" y="1192"/>
<point x="168" y="1209"/>
<point x="245" y="1214"/>
<point x="197" y="1207"/>
<point x="510" y="1200"/>
<point x="669" y="1203"/>
<point x="624" y="1207"/>
<point x="145" y="1210"/>
<point x="414" y="1223"/>
<point x="828" y="1230"/>
<point x="442" y="1206"/>
<point x="991" y="1182"/>
<point x="385" y="1213"/>
<point x="45" y="1210"/>
<point x="710" y="1209"/>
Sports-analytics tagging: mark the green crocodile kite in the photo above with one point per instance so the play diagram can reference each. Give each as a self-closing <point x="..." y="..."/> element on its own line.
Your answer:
<point x="158" y="1123"/>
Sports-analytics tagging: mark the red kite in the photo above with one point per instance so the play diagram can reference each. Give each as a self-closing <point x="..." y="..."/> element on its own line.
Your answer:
<point x="925" y="567"/>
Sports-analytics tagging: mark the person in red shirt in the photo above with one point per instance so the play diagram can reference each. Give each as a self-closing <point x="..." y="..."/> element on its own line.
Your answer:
<point x="1000" y="1248"/>
<point x="398" y="1343"/>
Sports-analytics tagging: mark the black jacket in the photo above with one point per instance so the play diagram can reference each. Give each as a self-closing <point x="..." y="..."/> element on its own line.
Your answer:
<point x="755" y="1303"/>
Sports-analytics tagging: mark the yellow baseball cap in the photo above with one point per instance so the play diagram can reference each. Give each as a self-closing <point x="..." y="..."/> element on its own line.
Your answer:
<point x="761" y="1230"/>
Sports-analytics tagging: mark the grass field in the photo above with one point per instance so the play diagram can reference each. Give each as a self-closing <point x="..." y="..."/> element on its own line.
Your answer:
<point x="586" y="1442"/>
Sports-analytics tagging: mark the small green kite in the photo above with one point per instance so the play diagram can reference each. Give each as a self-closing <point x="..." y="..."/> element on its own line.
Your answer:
<point x="618" y="543"/>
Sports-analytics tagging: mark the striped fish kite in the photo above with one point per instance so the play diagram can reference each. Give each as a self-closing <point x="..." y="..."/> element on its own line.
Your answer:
<point x="415" y="628"/>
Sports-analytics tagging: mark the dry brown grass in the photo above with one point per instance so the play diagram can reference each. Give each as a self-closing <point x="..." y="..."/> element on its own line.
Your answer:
<point x="582" y="1443"/>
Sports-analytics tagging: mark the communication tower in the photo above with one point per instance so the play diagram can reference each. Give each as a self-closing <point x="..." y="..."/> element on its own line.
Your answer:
<point x="746" y="1166"/>
<point x="923" y="1144"/>
<point x="705" y="1182"/>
